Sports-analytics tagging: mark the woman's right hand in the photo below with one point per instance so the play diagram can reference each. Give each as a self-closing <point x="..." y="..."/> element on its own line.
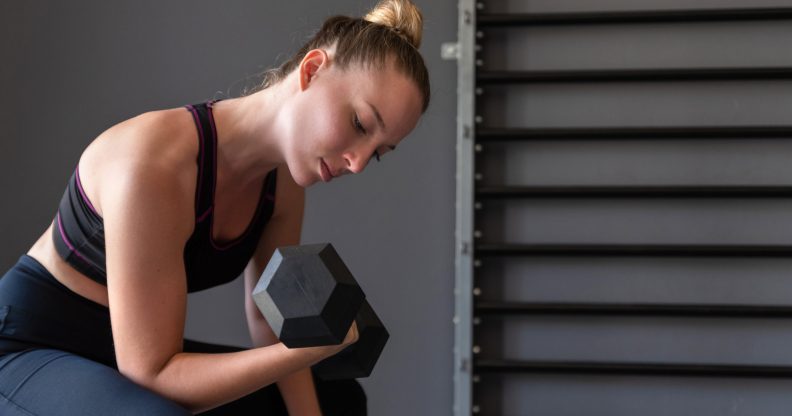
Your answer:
<point x="351" y="336"/>
<point x="330" y="350"/>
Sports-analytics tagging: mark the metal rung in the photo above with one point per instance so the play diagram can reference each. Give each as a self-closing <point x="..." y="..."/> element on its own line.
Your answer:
<point x="620" y="368"/>
<point x="637" y="16"/>
<point x="633" y="75"/>
<point x="680" y="250"/>
<point x="633" y="133"/>
<point x="503" y="192"/>
<point x="636" y="309"/>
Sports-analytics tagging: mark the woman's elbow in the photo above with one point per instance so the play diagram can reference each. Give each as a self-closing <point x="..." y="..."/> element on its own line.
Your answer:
<point x="143" y="372"/>
<point x="153" y="378"/>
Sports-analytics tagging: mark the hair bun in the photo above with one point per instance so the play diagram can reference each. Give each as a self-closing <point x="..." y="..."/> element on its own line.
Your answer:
<point x="400" y="15"/>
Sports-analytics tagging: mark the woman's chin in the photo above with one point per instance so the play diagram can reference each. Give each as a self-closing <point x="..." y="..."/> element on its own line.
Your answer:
<point x="305" y="181"/>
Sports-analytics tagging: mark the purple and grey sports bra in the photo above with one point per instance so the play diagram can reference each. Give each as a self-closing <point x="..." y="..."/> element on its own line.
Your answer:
<point x="79" y="230"/>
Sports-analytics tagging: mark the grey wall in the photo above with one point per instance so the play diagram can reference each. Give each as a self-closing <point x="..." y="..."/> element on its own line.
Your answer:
<point x="72" y="69"/>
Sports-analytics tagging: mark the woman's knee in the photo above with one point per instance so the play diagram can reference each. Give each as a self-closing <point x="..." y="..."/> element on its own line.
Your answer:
<point x="56" y="382"/>
<point x="139" y="401"/>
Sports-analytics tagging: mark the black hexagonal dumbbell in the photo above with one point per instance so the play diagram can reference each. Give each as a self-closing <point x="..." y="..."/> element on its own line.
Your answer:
<point x="310" y="298"/>
<point x="358" y="359"/>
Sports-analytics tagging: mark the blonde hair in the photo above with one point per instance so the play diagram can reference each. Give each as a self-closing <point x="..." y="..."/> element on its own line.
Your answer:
<point x="401" y="16"/>
<point x="390" y="32"/>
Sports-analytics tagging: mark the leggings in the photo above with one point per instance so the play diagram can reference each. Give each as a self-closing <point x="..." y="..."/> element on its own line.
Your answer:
<point x="56" y="358"/>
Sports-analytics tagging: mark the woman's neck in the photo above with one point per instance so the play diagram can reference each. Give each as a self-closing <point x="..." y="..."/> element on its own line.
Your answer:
<point x="248" y="135"/>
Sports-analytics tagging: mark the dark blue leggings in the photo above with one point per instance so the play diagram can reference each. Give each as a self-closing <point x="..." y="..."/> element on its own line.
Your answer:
<point x="56" y="358"/>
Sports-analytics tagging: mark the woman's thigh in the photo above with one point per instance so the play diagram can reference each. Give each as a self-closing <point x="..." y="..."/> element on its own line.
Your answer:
<point x="41" y="382"/>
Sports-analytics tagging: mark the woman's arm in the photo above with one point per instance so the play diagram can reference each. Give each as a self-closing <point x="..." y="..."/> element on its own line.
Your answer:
<point x="148" y="218"/>
<point x="283" y="229"/>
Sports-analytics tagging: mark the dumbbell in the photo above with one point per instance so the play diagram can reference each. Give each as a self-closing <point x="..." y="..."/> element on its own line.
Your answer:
<point x="310" y="298"/>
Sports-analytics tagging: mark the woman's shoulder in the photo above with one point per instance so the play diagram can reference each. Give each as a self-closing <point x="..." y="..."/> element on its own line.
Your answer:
<point x="161" y="143"/>
<point x="154" y="135"/>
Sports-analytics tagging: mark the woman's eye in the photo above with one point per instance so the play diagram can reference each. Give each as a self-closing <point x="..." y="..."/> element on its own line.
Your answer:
<point x="358" y="125"/>
<point x="376" y="155"/>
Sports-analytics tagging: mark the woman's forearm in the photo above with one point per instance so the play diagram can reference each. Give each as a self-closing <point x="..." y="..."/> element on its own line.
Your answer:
<point x="297" y="389"/>
<point x="203" y="381"/>
<point x="299" y="394"/>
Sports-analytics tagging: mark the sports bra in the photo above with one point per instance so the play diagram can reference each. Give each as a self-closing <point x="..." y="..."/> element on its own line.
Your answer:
<point x="78" y="230"/>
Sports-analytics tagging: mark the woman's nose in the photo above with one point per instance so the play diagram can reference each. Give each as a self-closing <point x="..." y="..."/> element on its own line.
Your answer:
<point x="357" y="159"/>
<point x="356" y="163"/>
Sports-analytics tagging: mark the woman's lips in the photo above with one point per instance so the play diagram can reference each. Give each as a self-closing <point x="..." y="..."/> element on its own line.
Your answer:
<point x="325" y="172"/>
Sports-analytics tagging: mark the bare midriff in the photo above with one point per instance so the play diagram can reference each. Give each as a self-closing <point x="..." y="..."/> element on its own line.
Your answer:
<point x="44" y="252"/>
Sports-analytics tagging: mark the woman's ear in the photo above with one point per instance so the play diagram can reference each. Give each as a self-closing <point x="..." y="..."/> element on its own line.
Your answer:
<point x="312" y="63"/>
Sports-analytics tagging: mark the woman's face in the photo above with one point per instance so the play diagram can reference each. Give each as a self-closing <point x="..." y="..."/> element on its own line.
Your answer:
<point x="343" y="119"/>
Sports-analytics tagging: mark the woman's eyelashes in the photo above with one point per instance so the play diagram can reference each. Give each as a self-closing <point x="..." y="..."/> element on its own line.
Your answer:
<point x="362" y="130"/>
<point x="358" y="125"/>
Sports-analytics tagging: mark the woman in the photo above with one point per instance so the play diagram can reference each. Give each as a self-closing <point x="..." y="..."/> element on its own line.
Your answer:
<point x="173" y="201"/>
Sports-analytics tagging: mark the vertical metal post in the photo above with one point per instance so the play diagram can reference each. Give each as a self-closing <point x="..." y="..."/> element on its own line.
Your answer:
<point x="463" y="292"/>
